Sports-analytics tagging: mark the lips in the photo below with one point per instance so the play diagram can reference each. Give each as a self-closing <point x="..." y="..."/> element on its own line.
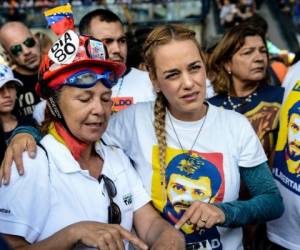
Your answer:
<point x="94" y="125"/>
<point x="191" y="96"/>
<point x="31" y="59"/>
<point x="7" y="103"/>
<point x="258" y="69"/>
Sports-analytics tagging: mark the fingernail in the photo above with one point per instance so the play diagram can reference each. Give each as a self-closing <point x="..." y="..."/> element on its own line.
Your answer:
<point x="5" y="181"/>
<point x="21" y="172"/>
<point x="177" y="227"/>
<point x="32" y="154"/>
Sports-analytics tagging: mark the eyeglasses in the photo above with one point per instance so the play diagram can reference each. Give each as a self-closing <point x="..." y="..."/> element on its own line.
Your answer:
<point x="114" y="212"/>
<point x="88" y="78"/>
<point x="16" y="50"/>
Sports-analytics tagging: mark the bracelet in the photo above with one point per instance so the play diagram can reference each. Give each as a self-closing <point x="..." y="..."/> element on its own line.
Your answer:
<point x="34" y="132"/>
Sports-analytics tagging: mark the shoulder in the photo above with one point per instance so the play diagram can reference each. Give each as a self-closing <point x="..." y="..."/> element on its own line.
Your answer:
<point x="227" y="117"/>
<point x="217" y="100"/>
<point x="139" y="73"/>
<point x="138" y="108"/>
<point x="36" y="170"/>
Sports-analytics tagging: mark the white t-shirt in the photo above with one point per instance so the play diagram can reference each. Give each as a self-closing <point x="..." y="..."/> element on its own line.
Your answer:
<point x="133" y="88"/>
<point x="226" y="141"/>
<point x="56" y="192"/>
<point x="285" y="231"/>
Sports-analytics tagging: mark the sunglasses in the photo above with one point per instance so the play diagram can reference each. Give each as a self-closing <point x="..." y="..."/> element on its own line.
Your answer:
<point x="17" y="50"/>
<point x="88" y="78"/>
<point x="114" y="212"/>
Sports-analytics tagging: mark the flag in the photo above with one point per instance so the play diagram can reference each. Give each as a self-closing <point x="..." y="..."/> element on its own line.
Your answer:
<point x="60" y="19"/>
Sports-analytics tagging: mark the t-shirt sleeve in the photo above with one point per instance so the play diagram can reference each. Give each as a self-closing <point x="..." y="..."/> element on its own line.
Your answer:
<point x="140" y="195"/>
<point x="120" y="129"/>
<point x="251" y="152"/>
<point x="24" y="203"/>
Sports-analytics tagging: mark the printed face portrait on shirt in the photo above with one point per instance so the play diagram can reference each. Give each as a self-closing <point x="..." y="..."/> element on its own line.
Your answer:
<point x="293" y="143"/>
<point x="189" y="178"/>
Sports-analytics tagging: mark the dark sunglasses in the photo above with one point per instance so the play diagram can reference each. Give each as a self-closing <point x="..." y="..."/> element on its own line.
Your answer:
<point x="16" y="50"/>
<point x="114" y="212"/>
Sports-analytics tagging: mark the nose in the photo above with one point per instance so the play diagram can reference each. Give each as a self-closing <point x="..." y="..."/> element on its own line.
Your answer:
<point x="187" y="81"/>
<point x="98" y="108"/>
<point x="5" y="92"/>
<point x="115" y="47"/>
<point x="25" y="49"/>
<point x="259" y="55"/>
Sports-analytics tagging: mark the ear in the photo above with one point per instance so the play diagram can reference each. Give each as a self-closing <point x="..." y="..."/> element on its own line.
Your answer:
<point x="227" y="67"/>
<point x="155" y="82"/>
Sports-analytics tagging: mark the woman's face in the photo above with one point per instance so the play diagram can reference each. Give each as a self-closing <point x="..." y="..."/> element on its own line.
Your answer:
<point x="8" y="95"/>
<point x="249" y="63"/>
<point x="180" y="75"/>
<point x="86" y="111"/>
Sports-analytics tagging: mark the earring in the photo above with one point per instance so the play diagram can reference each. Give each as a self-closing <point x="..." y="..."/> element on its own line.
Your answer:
<point x="229" y="72"/>
<point x="157" y="90"/>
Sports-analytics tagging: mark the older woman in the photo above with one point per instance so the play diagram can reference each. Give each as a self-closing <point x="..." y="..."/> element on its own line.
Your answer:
<point x="190" y="154"/>
<point x="79" y="191"/>
<point x="237" y="69"/>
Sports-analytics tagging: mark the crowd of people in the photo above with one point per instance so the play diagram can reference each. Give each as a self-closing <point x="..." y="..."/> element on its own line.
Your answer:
<point x="99" y="155"/>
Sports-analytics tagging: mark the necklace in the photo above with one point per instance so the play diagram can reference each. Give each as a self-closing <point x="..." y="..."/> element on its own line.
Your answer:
<point x="178" y="140"/>
<point x="235" y="106"/>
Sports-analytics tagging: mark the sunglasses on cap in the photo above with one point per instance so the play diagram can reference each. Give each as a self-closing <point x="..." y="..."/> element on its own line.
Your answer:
<point x="16" y="50"/>
<point x="88" y="78"/>
<point x="114" y="212"/>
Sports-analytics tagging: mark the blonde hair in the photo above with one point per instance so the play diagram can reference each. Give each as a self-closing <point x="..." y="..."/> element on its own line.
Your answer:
<point x="162" y="35"/>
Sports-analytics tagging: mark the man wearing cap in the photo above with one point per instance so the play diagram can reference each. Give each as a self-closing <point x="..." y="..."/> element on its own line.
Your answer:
<point x="9" y="116"/>
<point x="134" y="86"/>
<point x="24" y="50"/>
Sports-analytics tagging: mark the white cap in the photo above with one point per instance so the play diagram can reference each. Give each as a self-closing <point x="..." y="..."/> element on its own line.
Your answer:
<point x="6" y="75"/>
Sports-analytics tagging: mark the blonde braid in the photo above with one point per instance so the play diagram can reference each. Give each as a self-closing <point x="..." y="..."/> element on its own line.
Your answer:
<point x="159" y="124"/>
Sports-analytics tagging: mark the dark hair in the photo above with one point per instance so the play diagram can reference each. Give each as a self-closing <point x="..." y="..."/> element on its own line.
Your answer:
<point x="258" y="23"/>
<point x="102" y="14"/>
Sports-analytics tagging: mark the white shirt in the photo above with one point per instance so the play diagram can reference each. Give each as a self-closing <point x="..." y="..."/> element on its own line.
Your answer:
<point x="285" y="231"/>
<point x="133" y="88"/>
<point x="227" y="141"/>
<point x="56" y="192"/>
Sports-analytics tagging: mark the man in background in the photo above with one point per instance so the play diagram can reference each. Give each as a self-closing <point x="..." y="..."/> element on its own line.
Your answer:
<point x="24" y="51"/>
<point x="135" y="85"/>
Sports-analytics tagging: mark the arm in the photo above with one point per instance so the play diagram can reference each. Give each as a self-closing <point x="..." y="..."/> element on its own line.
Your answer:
<point x="155" y="231"/>
<point x="265" y="204"/>
<point x="87" y="233"/>
<point x="23" y="139"/>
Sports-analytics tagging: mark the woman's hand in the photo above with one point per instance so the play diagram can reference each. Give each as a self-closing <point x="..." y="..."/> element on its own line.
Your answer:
<point x="202" y="214"/>
<point x="20" y="143"/>
<point x="103" y="236"/>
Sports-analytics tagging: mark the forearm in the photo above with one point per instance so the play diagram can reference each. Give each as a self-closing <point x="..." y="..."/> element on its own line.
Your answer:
<point x="63" y="239"/>
<point x="265" y="204"/>
<point x="34" y="132"/>
<point x="160" y="230"/>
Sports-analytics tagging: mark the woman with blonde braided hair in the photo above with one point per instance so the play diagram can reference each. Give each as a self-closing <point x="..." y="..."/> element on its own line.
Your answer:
<point x="189" y="154"/>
